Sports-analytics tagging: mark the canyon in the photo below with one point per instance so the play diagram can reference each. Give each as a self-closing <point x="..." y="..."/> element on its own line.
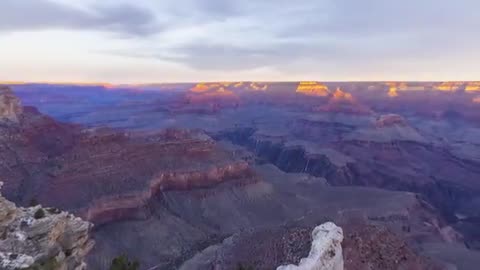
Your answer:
<point x="195" y="176"/>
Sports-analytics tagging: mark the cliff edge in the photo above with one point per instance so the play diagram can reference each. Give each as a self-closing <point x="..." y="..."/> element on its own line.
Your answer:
<point x="41" y="238"/>
<point x="326" y="252"/>
<point x="10" y="106"/>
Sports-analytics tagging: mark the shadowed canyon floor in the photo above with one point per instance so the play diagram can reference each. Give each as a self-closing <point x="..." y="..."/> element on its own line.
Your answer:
<point x="165" y="175"/>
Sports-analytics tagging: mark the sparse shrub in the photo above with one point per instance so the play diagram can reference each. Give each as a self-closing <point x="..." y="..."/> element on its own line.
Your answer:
<point x="49" y="264"/>
<point x="123" y="263"/>
<point x="39" y="214"/>
<point x="241" y="267"/>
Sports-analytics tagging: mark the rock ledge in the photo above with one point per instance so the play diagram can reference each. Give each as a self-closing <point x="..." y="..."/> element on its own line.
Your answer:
<point x="42" y="238"/>
<point x="326" y="252"/>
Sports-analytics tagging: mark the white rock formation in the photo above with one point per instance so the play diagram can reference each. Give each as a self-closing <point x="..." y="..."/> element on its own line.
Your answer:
<point x="326" y="252"/>
<point x="41" y="238"/>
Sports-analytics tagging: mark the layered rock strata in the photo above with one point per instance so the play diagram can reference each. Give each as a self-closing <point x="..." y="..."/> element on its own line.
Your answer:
<point x="102" y="174"/>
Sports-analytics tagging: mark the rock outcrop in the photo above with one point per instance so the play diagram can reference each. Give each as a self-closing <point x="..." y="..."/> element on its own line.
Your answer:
<point x="473" y="87"/>
<point x="42" y="238"/>
<point x="10" y="106"/>
<point x="393" y="88"/>
<point x="326" y="252"/>
<point x="313" y="89"/>
<point x="207" y="98"/>
<point x="449" y="86"/>
<point x="343" y="102"/>
<point x="255" y="86"/>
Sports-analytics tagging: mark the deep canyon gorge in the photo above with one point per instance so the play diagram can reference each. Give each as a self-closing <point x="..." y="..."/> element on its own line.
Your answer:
<point x="198" y="176"/>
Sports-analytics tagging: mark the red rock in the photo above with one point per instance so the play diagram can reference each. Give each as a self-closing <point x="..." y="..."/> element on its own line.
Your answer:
<point x="104" y="174"/>
<point x="343" y="102"/>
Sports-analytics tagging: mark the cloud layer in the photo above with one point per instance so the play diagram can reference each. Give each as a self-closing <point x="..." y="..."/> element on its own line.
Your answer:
<point x="283" y="35"/>
<point x="28" y="15"/>
<point x="229" y="34"/>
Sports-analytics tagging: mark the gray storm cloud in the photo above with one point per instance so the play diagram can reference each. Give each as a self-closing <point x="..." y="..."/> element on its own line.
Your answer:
<point x="28" y="15"/>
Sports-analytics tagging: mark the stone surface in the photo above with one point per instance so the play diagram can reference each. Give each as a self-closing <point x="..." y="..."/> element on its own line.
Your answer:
<point x="313" y="89"/>
<point x="42" y="238"/>
<point x="326" y="252"/>
<point x="10" y="106"/>
<point x="368" y="247"/>
<point x="343" y="102"/>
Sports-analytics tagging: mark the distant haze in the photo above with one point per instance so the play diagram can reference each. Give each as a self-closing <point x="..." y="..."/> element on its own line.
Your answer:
<point x="144" y="41"/>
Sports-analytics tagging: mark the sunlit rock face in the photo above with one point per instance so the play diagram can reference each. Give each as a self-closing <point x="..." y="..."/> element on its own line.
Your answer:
<point x="449" y="86"/>
<point x="343" y="102"/>
<point x="205" y="87"/>
<point x="210" y="97"/>
<point x="341" y="95"/>
<point x="10" y="106"/>
<point x="473" y="87"/>
<point x="258" y="86"/>
<point x="393" y="92"/>
<point x="37" y="238"/>
<point x="326" y="252"/>
<point x="392" y="89"/>
<point x="395" y="87"/>
<point x="238" y="84"/>
<point x="313" y="89"/>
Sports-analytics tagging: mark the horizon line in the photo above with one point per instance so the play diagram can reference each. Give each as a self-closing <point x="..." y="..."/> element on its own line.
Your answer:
<point x="110" y="84"/>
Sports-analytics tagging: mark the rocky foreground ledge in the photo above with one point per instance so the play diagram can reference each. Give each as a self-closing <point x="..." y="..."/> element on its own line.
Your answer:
<point x="326" y="252"/>
<point x="38" y="238"/>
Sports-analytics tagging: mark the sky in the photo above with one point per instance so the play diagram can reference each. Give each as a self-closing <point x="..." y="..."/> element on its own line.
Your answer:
<point x="148" y="41"/>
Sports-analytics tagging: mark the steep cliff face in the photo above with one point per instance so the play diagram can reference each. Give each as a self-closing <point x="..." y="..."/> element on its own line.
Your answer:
<point x="400" y="164"/>
<point x="449" y="86"/>
<point x="472" y="87"/>
<point x="207" y="98"/>
<point x="117" y="172"/>
<point x="313" y="89"/>
<point x="343" y="102"/>
<point x="42" y="238"/>
<point x="102" y="174"/>
<point x="10" y="107"/>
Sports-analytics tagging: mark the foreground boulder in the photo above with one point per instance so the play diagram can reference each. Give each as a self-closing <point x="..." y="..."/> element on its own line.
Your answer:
<point x="326" y="252"/>
<point x="42" y="238"/>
